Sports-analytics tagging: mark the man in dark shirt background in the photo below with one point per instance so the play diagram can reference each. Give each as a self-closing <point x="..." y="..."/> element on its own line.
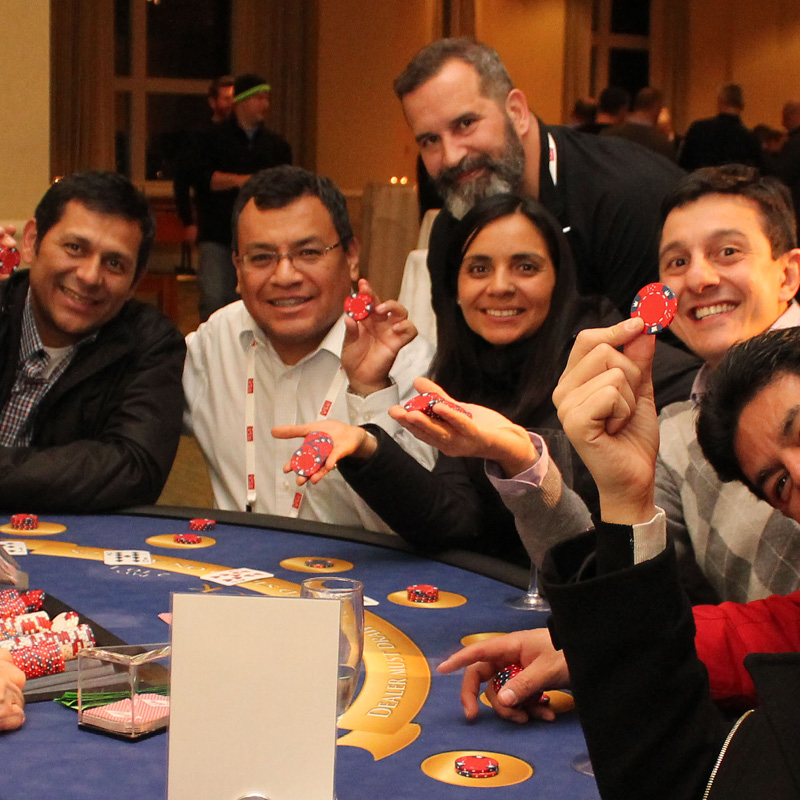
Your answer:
<point x="189" y="162"/>
<point x="723" y="139"/>
<point x="238" y="147"/>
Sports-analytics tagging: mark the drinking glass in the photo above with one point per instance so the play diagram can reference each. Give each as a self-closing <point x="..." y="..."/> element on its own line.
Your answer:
<point x="350" y="595"/>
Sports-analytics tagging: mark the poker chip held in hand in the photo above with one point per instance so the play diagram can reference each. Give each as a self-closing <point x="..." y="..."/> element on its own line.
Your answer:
<point x="503" y="676"/>
<point x="309" y="458"/>
<point x="358" y="306"/>
<point x="656" y="304"/>
<point x="422" y="593"/>
<point x="477" y="767"/>
<point x="427" y="400"/>
<point x="201" y="525"/>
<point x="9" y="259"/>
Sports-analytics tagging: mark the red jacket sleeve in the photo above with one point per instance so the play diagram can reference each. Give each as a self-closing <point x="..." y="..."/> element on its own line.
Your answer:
<point x="728" y="632"/>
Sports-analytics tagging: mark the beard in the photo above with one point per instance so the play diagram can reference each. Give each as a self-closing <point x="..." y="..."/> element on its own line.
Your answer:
<point x="500" y="176"/>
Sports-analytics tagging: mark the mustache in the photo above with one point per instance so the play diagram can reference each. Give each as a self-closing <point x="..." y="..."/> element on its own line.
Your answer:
<point x="449" y="176"/>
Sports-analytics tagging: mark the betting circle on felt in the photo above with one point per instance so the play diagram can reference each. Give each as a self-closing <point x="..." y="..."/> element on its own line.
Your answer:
<point x="43" y="529"/>
<point x="446" y="600"/>
<point x="168" y="540"/>
<point x="298" y="564"/>
<point x="512" y="770"/>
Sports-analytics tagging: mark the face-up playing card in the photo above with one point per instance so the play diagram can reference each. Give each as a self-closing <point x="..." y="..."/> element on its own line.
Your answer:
<point x="15" y="548"/>
<point x="233" y="577"/>
<point x="112" y="557"/>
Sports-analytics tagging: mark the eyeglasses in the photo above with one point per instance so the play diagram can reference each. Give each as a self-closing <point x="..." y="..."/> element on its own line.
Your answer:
<point x="298" y="257"/>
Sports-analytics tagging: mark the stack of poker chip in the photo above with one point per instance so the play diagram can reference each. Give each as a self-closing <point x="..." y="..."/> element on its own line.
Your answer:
<point x="427" y="400"/>
<point x="503" y="676"/>
<point x="36" y="661"/>
<point x="358" y="306"/>
<point x="70" y="642"/>
<point x="24" y="522"/>
<point x="14" y="603"/>
<point x="202" y="524"/>
<point x="422" y="593"/>
<point x="320" y="563"/>
<point x="477" y="767"/>
<point x="187" y="538"/>
<point x="311" y="455"/>
<point x="23" y="624"/>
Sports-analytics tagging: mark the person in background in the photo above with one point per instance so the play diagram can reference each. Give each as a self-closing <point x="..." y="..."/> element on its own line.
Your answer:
<point x="237" y="148"/>
<point x="722" y="139"/>
<point x="640" y="124"/>
<point x="187" y="185"/>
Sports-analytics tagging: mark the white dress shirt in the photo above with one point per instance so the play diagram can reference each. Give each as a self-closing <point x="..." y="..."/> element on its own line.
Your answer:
<point x="214" y="382"/>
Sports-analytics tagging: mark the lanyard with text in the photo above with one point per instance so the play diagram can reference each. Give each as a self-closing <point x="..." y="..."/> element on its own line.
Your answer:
<point x="337" y="384"/>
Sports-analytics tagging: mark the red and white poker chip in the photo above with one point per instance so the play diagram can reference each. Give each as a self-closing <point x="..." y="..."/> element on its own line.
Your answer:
<point x="9" y="259"/>
<point x="358" y="306"/>
<point x="477" y="766"/>
<point x="656" y="304"/>
<point x="307" y="461"/>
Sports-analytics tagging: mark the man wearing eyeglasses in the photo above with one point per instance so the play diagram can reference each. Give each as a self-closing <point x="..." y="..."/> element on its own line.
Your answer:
<point x="286" y="354"/>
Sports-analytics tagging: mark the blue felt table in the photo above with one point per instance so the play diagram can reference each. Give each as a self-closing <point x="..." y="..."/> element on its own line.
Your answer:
<point x="51" y="757"/>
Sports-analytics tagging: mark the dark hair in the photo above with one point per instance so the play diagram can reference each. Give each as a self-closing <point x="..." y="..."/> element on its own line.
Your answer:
<point x="219" y="83"/>
<point x="277" y="187"/>
<point x="613" y="99"/>
<point x="464" y="359"/>
<point x="770" y="195"/>
<point x="104" y="193"/>
<point x="746" y="369"/>
<point x="731" y="94"/>
<point x="495" y="80"/>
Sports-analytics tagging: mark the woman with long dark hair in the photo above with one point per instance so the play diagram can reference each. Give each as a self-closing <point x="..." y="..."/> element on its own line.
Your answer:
<point x="509" y="316"/>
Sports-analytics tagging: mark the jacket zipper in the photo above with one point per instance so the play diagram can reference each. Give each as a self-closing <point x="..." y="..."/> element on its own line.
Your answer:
<point x="723" y="751"/>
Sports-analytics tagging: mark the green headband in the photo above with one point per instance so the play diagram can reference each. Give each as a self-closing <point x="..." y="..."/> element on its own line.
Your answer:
<point x="262" y="87"/>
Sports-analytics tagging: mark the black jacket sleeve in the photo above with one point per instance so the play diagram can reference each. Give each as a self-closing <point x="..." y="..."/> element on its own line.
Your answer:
<point x="642" y="694"/>
<point x="454" y="505"/>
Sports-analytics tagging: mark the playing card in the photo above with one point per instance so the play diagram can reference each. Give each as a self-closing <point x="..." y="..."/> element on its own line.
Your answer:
<point x="232" y="577"/>
<point x="14" y="548"/>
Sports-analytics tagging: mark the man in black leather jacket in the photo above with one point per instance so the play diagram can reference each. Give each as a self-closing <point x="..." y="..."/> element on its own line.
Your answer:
<point x="90" y="380"/>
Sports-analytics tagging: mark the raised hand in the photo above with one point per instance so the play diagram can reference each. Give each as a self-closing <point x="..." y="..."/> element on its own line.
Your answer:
<point x="605" y="403"/>
<point x="371" y="346"/>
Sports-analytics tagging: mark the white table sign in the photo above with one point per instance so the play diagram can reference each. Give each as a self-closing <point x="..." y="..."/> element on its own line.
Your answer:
<point x="252" y="697"/>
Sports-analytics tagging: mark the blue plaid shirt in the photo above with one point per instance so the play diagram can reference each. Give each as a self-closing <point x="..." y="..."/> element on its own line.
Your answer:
<point x="30" y="385"/>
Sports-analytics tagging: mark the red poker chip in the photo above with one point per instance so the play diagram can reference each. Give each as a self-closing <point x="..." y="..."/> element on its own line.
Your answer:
<point x="503" y="676"/>
<point x="202" y="524"/>
<point x="187" y="538"/>
<point x="321" y="441"/>
<point x="423" y="402"/>
<point x="422" y="593"/>
<point x="306" y="461"/>
<point x="9" y="259"/>
<point x="26" y="522"/>
<point x="477" y="766"/>
<point x="656" y="304"/>
<point x="358" y="306"/>
<point x="320" y="563"/>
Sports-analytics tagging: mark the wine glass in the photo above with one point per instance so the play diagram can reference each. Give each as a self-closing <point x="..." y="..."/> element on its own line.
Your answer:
<point x="350" y="595"/>
<point x="560" y="452"/>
